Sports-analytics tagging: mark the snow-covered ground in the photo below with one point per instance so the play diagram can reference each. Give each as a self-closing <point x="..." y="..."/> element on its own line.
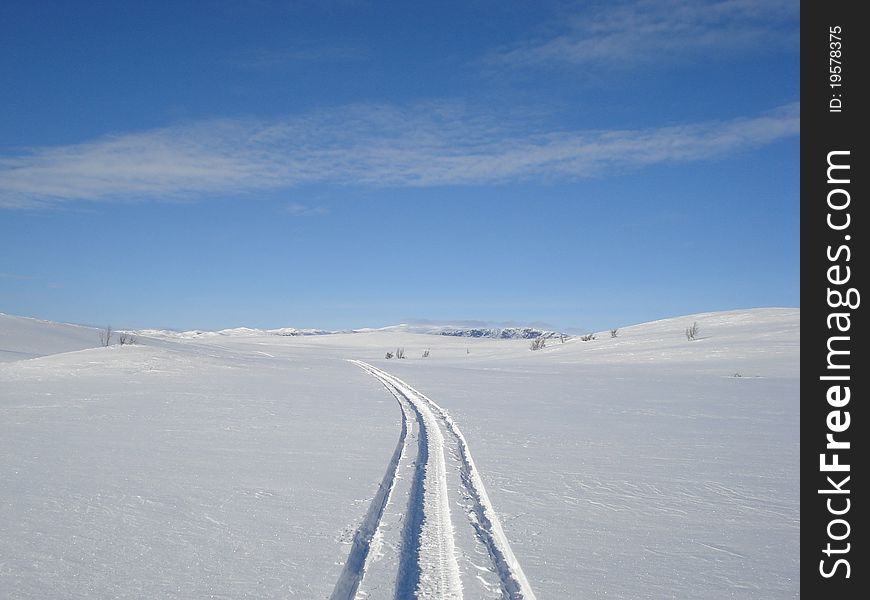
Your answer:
<point x="22" y="338"/>
<point x="255" y="465"/>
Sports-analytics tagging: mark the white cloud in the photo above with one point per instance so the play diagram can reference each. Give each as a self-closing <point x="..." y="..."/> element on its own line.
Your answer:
<point x="267" y="59"/>
<point x="653" y="31"/>
<point x="375" y="146"/>
<point x="301" y="210"/>
<point x="16" y="277"/>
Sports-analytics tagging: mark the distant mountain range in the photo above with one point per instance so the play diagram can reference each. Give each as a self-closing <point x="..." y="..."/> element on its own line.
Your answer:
<point x="496" y="333"/>
<point x="75" y="332"/>
<point x="505" y="333"/>
<point x="500" y="333"/>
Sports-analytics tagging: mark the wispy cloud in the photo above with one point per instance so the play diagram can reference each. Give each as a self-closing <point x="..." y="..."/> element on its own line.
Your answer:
<point x="427" y="145"/>
<point x="269" y="59"/>
<point x="301" y="210"/>
<point x="16" y="277"/>
<point x="646" y="31"/>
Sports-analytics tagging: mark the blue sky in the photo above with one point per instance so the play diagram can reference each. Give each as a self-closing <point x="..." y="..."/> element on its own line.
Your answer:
<point x="346" y="163"/>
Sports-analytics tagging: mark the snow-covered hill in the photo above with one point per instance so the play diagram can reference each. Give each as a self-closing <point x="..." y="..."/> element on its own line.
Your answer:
<point x="21" y="337"/>
<point x="232" y="332"/>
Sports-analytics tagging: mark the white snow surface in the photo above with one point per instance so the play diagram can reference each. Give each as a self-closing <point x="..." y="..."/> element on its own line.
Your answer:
<point x="245" y="465"/>
<point x="22" y="338"/>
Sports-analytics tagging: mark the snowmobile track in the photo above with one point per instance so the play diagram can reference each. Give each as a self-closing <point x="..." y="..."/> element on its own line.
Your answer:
<point x="354" y="567"/>
<point x="428" y="567"/>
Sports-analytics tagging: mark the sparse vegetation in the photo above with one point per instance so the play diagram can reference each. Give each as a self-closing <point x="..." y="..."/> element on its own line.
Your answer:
<point x="614" y="333"/>
<point x="106" y="336"/>
<point x="400" y="353"/>
<point x="426" y="353"/>
<point x="125" y="337"/>
<point x="389" y="355"/>
<point x="692" y="332"/>
<point x="587" y="338"/>
<point x="538" y="343"/>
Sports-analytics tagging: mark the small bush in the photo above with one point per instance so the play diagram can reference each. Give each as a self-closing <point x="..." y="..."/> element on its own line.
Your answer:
<point x="389" y="355"/>
<point x="538" y="343"/>
<point x="588" y="337"/>
<point x="692" y="332"/>
<point x="125" y="337"/>
<point x="614" y="333"/>
<point x="426" y="353"/>
<point x="106" y="336"/>
<point x="400" y="353"/>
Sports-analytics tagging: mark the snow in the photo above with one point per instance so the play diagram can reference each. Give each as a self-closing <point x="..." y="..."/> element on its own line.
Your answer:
<point x="246" y="464"/>
<point x="22" y="338"/>
<point x="435" y="504"/>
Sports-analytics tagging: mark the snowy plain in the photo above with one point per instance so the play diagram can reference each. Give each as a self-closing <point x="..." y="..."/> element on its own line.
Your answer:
<point x="242" y="465"/>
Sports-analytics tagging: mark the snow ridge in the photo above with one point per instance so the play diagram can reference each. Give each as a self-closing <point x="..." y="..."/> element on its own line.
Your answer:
<point x="439" y="574"/>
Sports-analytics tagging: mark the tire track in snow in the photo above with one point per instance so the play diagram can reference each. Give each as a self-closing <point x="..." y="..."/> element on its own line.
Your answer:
<point x="358" y="557"/>
<point x="408" y="572"/>
<point x="435" y="550"/>
<point x="428" y="567"/>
